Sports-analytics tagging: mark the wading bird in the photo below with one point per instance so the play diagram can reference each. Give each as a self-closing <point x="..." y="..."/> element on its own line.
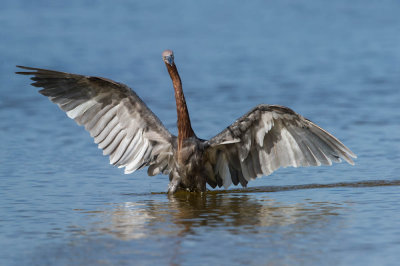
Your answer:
<point x="258" y="143"/>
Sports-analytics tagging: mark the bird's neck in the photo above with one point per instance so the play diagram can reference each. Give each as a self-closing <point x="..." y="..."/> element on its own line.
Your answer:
<point x="184" y="126"/>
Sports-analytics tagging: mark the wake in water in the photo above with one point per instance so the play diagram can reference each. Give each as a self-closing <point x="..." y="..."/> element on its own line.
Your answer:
<point x="358" y="184"/>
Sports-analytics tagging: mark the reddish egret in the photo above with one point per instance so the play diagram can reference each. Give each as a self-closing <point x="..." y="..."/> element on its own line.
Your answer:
<point x="258" y="143"/>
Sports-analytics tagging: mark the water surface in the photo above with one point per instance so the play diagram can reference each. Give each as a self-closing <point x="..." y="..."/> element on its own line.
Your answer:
<point x="337" y="63"/>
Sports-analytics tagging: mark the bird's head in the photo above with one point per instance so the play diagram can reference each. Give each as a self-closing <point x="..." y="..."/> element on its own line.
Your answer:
<point x="168" y="57"/>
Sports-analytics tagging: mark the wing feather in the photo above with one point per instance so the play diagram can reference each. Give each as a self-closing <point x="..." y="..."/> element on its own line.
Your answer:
<point x="118" y="120"/>
<point x="267" y="138"/>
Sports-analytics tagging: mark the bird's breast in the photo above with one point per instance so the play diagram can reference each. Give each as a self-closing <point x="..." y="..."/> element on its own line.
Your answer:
<point x="190" y="155"/>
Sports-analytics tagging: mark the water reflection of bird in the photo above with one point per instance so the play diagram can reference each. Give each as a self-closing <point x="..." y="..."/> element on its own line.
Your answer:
<point x="184" y="213"/>
<point x="258" y="143"/>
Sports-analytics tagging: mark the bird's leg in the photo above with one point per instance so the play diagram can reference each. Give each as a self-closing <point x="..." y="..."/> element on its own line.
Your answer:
<point x="174" y="183"/>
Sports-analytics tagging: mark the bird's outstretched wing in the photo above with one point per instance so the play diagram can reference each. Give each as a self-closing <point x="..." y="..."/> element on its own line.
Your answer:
<point x="118" y="120"/>
<point x="266" y="138"/>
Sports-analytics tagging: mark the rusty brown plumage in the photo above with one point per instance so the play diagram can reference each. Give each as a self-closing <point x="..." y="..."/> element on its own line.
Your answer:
<point x="185" y="130"/>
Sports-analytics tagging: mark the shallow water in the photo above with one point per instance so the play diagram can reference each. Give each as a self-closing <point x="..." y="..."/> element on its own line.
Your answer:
<point x="337" y="63"/>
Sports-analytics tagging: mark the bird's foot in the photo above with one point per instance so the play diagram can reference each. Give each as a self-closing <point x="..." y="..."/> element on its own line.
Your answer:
<point x="173" y="186"/>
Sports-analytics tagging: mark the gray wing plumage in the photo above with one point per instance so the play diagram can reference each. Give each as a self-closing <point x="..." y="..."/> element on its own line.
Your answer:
<point x="266" y="138"/>
<point x="118" y="120"/>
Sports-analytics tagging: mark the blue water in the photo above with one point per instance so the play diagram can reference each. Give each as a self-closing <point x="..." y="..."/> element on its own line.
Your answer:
<point x="335" y="62"/>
